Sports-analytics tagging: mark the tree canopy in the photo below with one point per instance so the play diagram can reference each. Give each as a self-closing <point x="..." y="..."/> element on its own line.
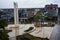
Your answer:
<point x="37" y="17"/>
<point x="3" y="23"/>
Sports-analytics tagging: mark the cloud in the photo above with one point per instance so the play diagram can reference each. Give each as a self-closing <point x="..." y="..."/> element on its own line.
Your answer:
<point x="26" y="3"/>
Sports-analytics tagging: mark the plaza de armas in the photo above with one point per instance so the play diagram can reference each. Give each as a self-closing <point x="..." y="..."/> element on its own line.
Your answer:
<point x="47" y="14"/>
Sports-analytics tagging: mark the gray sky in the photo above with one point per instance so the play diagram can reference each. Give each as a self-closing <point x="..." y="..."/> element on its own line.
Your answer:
<point x="27" y="3"/>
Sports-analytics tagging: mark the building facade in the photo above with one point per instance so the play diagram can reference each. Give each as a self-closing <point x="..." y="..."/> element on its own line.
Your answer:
<point x="52" y="10"/>
<point x="26" y="13"/>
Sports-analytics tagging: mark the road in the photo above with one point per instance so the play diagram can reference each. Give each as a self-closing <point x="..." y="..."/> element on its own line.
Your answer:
<point x="55" y="33"/>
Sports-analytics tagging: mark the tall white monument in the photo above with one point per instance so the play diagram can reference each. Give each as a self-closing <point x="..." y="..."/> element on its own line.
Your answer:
<point x="16" y="18"/>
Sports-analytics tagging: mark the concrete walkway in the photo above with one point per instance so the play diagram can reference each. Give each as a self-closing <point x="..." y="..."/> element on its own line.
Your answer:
<point x="43" y="32"/>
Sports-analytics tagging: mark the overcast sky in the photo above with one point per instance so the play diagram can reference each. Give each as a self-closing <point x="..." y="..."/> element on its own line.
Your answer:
<point x="27" y="3"/>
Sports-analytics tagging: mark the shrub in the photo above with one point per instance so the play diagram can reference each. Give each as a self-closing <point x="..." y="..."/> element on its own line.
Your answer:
<point x="3" y="24"/>
<point x="4" y="35"/>
<point x="29" y="29"/>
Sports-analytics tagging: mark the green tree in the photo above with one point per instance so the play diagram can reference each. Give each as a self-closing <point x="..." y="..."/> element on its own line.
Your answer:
<point x="37" y="17"/>
<point x="3" y="33"/>
<point x="3" y="24"/>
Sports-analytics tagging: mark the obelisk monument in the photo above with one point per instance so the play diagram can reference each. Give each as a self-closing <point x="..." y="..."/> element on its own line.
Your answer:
<point x="16" y="18"/>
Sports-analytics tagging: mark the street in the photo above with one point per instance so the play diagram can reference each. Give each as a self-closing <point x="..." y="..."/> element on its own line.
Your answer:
<point x="55" y="33"/>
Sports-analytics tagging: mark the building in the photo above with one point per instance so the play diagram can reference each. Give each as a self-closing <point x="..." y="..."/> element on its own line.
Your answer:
<point x="26" y="13"/>
<point x="6" y="14"/>
<point x="59" y="15"/>
<point x="52" y="10"/>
